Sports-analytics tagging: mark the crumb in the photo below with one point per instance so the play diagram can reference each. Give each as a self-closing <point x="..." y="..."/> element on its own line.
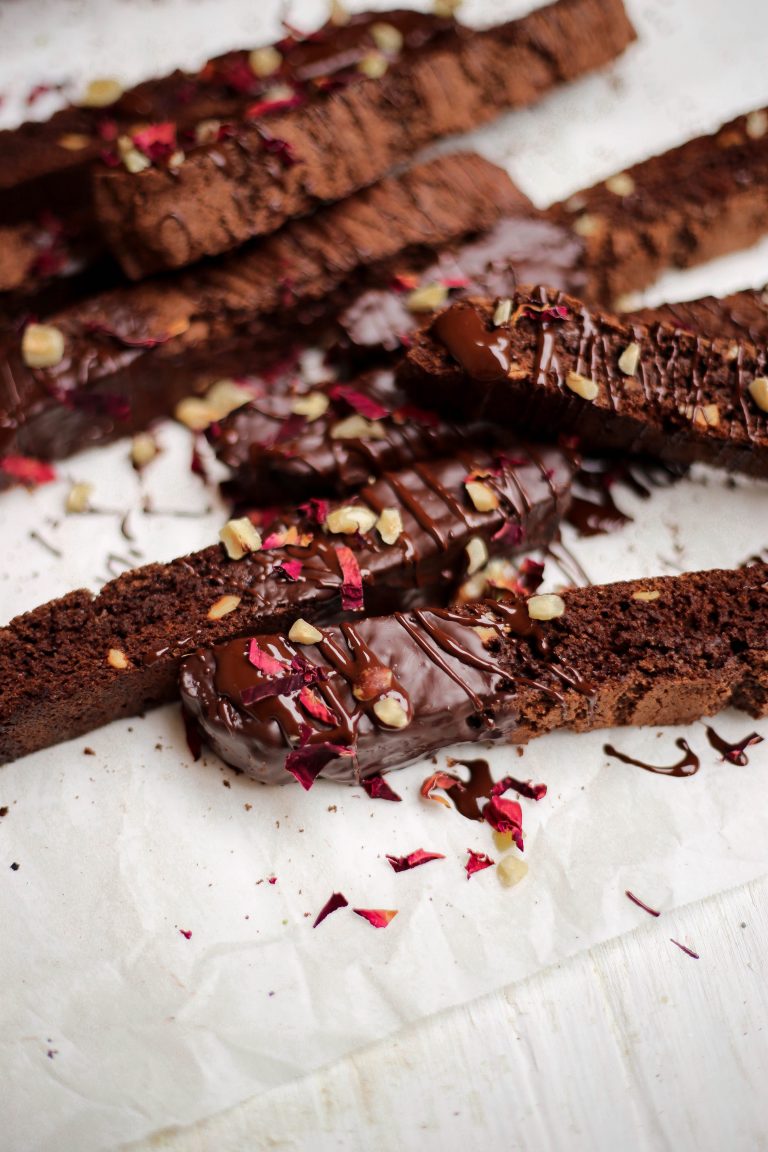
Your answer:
<point x="247" y="807"/>
<point x="52" y="1052"/>
<point x="15" y="867"/>
<point x="331" y="808"/>
<point x="158" y="747"/>
<point x="3" y="811"/>
<point x="226" y="783"/>
<point x="88" y="752"/>
<point x="520" y="750"/>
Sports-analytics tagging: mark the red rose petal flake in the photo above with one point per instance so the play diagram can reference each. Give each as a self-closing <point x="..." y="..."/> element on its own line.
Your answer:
<point x="317" y="707"/>
<point x="523" y="787"/>
<point x="306" y="763"/>
<point x="539" y="312"/>
<point x="280" y="148"/>
<point x="351" y="579"/>
<point x="377" y="917"/>
<point x="27" y="470"/>
<point x="364" y="405"/>
<point x="451" y="282"/>
<point x="404" y="282"/>
<point x="443" y="780"/>
<point x="378" y="789"/>
<point x="413" y="414"/>
<point x="265" y="107"/>
<point x="477" y="862"/>
<point x="186" y="933"/>
<point x="289" y="536"/>
<point x="291" y="569"/>
<point x="94" y="328"/>
<point x="315" y="510"/>
<point x="645" y="907"/>
<point x="505" y="816"/>
<point x="413" y="859"/>
<point x="271" y="879"/>
<point x="157" y="142"/>
<point x="332" y="904"/>
<point x="235" y="72"/>
<point x="265" y="663"/>
<point x="683" y="948"/>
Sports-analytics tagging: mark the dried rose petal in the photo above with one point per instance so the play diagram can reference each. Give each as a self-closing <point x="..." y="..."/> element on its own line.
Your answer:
<point x="377" y="917"/>
<point x="279" y="148"/>
<point x="264" y="662"/>
<point x="455" y="282"/>
<point x="688" y="951"/>
<point x="477" y="862"/>
<point x="291" y="568"/>
<point x="95" y="328"/>
<point x="315" y="509"/>
<point x="531" y="574"/>
<point x="265" y="107"/>
<point x="539" y="312"/>
<point x="271" y="879"/>
<point x="364" y="405"/>
<point x="27" y="470"/>
<point x="439" y="780"/>
<point x="404" y="282"/>
<point x="413" y="859"/>
<point x="352" y="580"/>
<point x="645" y="907"/>
<point x="411" y="413"/>
<point x="235" y="72"/>
<point x="523" y="787"/>
<point x="378" y="789"/>
<point x="186" y="933"/>
<point x="317" y="707"/>
<point x="505" y="816"/>
<point x="332" y="904"/>
<point x="306" y="763"/>
<point x="157" y="141"/>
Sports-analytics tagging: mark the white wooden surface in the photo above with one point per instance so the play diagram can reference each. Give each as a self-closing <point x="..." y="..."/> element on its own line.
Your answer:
<point x="633" y="1045"/>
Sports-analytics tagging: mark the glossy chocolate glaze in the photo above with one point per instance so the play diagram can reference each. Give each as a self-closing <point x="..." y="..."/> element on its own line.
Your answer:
<point x="487" y="671"/>
<point x="687" y="401"/>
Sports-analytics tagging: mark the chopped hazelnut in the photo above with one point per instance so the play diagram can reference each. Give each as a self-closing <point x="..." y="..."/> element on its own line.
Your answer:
<point x="351" y="518"/>
<point x="79" y="498"/>
<point x="502" y="312"/>
<point x="621" y="184"/>
<point x="313" y="405"/>
<point x="477" y="555"/>
<point x="223" y="606"/>
<point x="176" y="159"/>
<point x="511" y="870"/>
<point x="757" y="124"/>
<point x="225" y="396"/>
<point x="588" y="224"/>
<point x="338" y="14"/>
<point x="390" y="712"/>
<point x="482" y="496"/>
<point x="630" y="359"/>
<point x="582" y="386"/>
<point x="446" y="8"/>
<point x="372" y="682"/>
<point x="73" y="141"/>
<point x="545" y="607"/>
<point x="702" y="415"/>
<point x="194" y="413"/>
<point x="387" y="38"/>
<point x="143" y="449"/>
<point x="373" y="65"/>
<point x="487" y="635"/>
<point x="239" y="537"/>
<point x="101" y="93"/>
<point x="356" y="427"/>
<point x="135" y="161"/>
<point x="646" y="597"/>
<point x="758" y="390"/>
<point x="207" y="131"/>
<point x="117" y="659"/>
<point x="426" y="299"/>
<point x="264" y="61"/>
<point x="302" y="632"/>
<point x="42" y="346"/>
<point x="390" y="525"/>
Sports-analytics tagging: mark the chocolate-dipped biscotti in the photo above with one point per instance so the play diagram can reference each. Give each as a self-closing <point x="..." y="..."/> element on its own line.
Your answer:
<point x="545" y="362"/>
<point x="742" y="315"/>
<point x="683" y="207"/>
<point x="190" y="203"/>
<point x="115" y="362"/>
<point x="409" y="538"/>
<point x="353" y="700"/>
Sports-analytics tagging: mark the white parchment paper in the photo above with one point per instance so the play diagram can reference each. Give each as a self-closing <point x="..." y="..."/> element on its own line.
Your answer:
<point x="113" y="1023"/>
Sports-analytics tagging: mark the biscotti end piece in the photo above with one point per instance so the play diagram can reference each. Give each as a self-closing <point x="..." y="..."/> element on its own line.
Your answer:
<point x="742" y="315"/>
<point x="484" y="671"/>
<point x="297" y="155"/>
<point x="559" y="366"/>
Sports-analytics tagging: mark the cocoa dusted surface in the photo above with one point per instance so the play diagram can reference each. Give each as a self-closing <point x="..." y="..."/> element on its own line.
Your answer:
<point x="235" y="189"/>
<point x="688" y="205"/>
<point x="56" y="680"/>
<point x="687" y="400"/>
<point x="132" y="353"/>
<point x="486" y="671"/>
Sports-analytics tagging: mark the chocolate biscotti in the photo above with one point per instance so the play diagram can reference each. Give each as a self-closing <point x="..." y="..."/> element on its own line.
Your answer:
<point x="125" y="357"/>
<point x="379" y="693"/>
<point x="409" y="538"/>
<point x="545" y="362"/>
<point x="742" y="315"/>
<point x="193" y="203"/>
<point x="681" y="208"/>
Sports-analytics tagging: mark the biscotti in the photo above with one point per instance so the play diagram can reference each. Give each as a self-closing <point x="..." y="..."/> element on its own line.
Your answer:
<point x="681" y="208"/>
<point x="379" y="693"/>
<point x="125" y="357"/>
<point x="545" y="362"/>
<point x="409" y="538"/>
<point x="742" y="315"/>
<point x="190" y="204"/>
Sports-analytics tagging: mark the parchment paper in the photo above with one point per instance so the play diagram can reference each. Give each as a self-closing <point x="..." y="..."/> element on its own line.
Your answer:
<point x="113" y="1023"/>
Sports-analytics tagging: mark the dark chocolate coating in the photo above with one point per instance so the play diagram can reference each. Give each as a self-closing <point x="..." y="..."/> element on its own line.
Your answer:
<point x="486" y="671"/>
<point x="235" y="189"/>
<point x="687" y="401"/>
<point x="55" y="678"/>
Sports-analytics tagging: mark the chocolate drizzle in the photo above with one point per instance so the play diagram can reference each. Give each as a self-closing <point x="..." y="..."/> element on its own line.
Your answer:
<point x="688" y="765"/>
<point x="736" y="752"/>
<point x="466" y="794"/>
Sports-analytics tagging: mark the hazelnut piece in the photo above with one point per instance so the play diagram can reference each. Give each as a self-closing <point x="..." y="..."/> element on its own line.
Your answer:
<point x="143" y="449"/>
<point x="79" y="498"/>
<point x="264" y="61"/>
<point x="390" y="712"/>
<point x="101" y="93"/>
<point x="630" y="359"/>
<point x="545" y="607"/>
<point x="387" y="38"/>
<point x="373" y="65"/>
<point x="477" y="555"/>
<point x="426" y="299"/>
<point x="390" y="525"/>
<point x="621" y="184"/>
<point x="313" y="405"/>
<point x="511" y="870"/>
<point x="372" y="682"/>
<point x="351" y="518"/>
<point x="223" y="606"/>
<point x="582" y="386"/>
<point x="117" y="659"/>
<point x="356" y="427"/>
<point x="239" y="537"/>
<point x="42" y="346"/>
<point x="482" y="496"/>
<point x="758" y="390"/>
<point x="502" y="312"/>
<point x="646" y="597"/>
<point x="302" y="632"/>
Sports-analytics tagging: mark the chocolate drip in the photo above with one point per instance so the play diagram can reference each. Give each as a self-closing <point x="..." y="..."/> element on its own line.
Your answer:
<point x="466" y="795"/>
<point x="687" y="766"/>
<point x="736" y="752"/>
<point x="483" y="352"/>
